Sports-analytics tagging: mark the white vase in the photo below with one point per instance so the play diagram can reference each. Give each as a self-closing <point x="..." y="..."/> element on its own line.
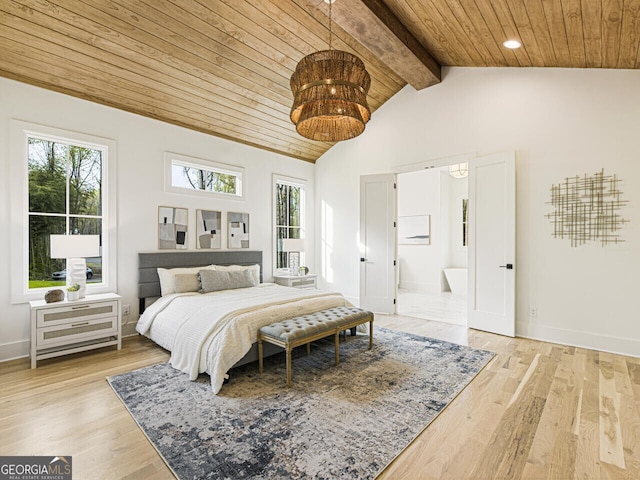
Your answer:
<point x="71" y="296"/>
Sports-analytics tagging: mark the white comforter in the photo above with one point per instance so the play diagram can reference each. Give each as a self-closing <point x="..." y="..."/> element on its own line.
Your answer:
<point x="211" y="332"/>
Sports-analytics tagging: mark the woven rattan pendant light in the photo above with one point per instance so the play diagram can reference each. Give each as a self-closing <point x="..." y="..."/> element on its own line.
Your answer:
<point x="330" y="94"/>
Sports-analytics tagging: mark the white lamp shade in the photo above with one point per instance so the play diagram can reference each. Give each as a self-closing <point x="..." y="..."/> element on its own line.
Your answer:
<point x="293" y="245"/>
<point x="75" y="246"/>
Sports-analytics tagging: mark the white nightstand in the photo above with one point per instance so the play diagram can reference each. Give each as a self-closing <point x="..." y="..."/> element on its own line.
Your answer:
<point x="61" y="328"/>
<point x="299" y="281"/>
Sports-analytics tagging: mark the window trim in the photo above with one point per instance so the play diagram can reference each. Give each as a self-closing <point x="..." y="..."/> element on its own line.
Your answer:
<point x="295" y="182"/>
<point x="185" y="160"/>
<point x="20" y="131"/>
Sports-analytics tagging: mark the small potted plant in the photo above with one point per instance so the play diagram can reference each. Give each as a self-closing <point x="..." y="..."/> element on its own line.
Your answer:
<point x="73" y="292"/>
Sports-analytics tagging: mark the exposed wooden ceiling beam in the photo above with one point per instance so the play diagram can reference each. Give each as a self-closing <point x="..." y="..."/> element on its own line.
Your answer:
<point x="375" y="26"/>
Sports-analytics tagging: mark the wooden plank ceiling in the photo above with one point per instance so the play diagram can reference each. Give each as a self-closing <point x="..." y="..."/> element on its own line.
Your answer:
<point x="223" y="66"/>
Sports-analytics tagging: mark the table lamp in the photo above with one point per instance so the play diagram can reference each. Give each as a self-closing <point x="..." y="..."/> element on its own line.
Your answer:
<point x="293" y="246"/>
<point x="75" y="248"/>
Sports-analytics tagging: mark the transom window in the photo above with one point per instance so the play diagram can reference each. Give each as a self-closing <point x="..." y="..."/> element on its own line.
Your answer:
<point x="193" y="175"/>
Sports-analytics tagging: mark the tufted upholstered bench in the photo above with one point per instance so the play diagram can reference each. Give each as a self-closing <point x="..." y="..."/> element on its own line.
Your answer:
<point x="304" y="329"/>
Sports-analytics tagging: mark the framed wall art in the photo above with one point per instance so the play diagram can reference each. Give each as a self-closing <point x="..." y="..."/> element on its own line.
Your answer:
<point x="238" y="230"/>
<point x="172" y="227"/>
<point x="414" y="230"/>
<point x="208" y="229"/>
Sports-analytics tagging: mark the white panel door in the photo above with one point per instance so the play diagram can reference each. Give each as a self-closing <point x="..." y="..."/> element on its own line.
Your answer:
<point x="378" y="243"/>
<point x="492" y="235"/>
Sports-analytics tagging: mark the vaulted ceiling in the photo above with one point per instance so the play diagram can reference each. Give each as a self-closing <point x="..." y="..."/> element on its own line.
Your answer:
<point x="222" y="67"/>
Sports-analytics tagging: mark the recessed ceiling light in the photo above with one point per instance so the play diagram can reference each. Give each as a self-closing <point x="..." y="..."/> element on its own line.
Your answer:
<point x="512" y="44"/>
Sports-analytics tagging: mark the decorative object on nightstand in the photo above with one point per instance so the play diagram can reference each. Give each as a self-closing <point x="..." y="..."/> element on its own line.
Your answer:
<point x="69" y="327"/>
<point x="53" y="296"/>
<point x="297" y="281"/>
<point x="75" y="248"/>
<point x="293" y="246"/>
<point x="73" y="292"/>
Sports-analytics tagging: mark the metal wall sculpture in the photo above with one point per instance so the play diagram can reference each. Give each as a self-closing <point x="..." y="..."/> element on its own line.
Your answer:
<point x="587" y="209"/>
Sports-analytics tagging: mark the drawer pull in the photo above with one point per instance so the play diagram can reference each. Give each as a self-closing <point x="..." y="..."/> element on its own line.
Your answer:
<point x="77" y="307"/>
<point x="79" y="324"/>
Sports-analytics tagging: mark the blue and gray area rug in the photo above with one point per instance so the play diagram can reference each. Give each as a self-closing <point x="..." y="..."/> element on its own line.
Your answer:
<point x="335" y="422"/>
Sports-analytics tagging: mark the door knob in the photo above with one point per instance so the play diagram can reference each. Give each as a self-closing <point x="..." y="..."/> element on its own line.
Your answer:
<point x="508" y="266"/>
<point x="362" y="259"/>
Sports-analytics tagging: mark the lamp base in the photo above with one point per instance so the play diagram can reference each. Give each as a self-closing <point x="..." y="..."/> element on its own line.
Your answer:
<point x="77" y="274"/>
<point x="294" y="264"/>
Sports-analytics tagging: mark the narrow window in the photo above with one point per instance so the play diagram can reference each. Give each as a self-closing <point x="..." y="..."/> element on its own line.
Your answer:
<point x="465" y="220"/>
<point x="289" y="221"/>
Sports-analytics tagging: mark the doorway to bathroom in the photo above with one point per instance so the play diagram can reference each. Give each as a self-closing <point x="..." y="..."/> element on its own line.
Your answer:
<point x="432" y="244"/>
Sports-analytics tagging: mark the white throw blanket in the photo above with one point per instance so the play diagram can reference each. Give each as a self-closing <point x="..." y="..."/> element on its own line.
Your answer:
<point x="215" y="330"/>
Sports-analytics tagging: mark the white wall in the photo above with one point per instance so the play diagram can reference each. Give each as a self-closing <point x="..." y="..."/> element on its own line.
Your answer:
<point x="561" y="123"/>
<point x="140" y="188"/>
<point x="421" y="265"/>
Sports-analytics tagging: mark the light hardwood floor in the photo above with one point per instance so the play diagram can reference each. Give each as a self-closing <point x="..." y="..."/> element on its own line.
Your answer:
<point x="538" y="410"/>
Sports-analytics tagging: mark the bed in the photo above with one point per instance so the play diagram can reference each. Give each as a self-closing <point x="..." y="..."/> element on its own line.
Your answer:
<point x="214" y="331"/>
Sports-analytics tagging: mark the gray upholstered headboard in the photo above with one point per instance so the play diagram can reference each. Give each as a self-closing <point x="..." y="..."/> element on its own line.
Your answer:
<point x="148" y="263"/>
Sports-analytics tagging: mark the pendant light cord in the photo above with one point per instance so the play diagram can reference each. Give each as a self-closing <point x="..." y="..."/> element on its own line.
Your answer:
<point x="330" y="4"/>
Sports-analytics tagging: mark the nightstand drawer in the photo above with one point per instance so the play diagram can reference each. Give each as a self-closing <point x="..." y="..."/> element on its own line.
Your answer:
<point x="76" y="313"/>
<point x="304" y="283"/>
<point x="78" y="331"/>
<point x="295" y="281"/>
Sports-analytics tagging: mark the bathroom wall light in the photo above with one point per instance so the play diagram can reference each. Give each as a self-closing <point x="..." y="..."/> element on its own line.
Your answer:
<point x="459" y="170"/>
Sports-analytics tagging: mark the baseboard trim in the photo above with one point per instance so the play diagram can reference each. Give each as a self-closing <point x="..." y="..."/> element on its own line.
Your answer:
<point x="129" y="329"/>
<point x="20" y="349"/>
<point x="420" y="287"/>
<point x="576" y="338"/>
<point x="13" y="350"/>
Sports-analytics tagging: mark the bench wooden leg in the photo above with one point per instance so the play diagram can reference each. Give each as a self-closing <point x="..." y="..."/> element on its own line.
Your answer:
<point x="288" y="366"/>
<point x="309" y="348"/>
<point x="260" y="366"/>
<point x="370" y="334"/>
<point x="337" y="337"/>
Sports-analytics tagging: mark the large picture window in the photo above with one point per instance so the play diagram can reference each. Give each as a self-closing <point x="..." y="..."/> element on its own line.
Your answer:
<point x="65" y="197"/>
<point x="61" y="183"/>
<point x="289" y="208"/>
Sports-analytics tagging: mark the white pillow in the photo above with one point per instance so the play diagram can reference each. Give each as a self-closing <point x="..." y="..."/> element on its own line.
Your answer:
<point x="167" y="277"/>
<point x="254" y="269"/>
